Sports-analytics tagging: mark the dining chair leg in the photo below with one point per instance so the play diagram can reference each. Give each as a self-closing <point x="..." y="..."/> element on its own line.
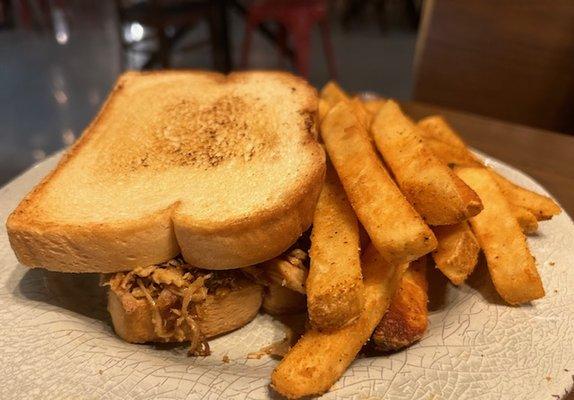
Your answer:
<point x="352" y="9"/>
<point x="213" y="37"/>
<point x="302" y="45"/>
<point x="380" y="11"/>
<point x="124" y="48"/>
<point x="328" y="48"/>
<point x="246" y="46"/>
<point x="413" y="13"/>
<point x="222" y="53"/>
<point x="163" y="50"/>
<point x="282" y="44"/>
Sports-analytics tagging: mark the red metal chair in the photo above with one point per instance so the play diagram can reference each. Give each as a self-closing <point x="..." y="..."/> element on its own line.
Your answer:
<point x="297" y="19"/>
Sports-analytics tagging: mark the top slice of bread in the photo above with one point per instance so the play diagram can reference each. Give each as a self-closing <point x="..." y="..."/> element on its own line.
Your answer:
<point x="224" y="169"/>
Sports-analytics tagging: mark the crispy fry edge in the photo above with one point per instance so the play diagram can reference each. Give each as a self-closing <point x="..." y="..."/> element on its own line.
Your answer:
<point x="319" y="359"/>
<point x="335" y="291"/>
<point x="374" y="196"/>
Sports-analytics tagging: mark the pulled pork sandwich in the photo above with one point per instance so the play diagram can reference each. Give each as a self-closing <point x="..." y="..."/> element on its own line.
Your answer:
<point x="183" y="180"/>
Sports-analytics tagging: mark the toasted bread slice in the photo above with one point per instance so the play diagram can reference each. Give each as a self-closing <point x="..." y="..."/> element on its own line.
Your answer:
<point x="228" y="304"/>
<point x="224" y="169"/>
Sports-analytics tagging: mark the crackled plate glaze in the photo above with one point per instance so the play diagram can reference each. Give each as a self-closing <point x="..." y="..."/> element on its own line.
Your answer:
<point x="56" y="341"/>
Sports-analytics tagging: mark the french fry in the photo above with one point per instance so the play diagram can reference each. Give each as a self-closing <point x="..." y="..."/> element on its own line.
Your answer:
<point x="445" y="142"/>
<point x="527" y="220"/>
<point x="451" y="155"/>
<point x="512" y="267"/>
<point x="323" y="109"/>
<point x="373" y="105"/>
<point x="448" y="146"/>
<point x="541" y="206"/>
<point x="406" y="319"/>
<point x="319" y="359"/>
<point x="334" y="284"/>
<point x="439" y="196"/>
<point x="457" y="252"/>
<point x="279" y="300"/>
<point x="395" y="228"/>
<point x="435" y="127"/>
<point x="332" y="93"/>
<point x="364" y="117"/>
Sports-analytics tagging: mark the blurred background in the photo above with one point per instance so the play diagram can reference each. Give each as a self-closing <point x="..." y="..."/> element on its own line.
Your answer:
<point x="508" y="59"/>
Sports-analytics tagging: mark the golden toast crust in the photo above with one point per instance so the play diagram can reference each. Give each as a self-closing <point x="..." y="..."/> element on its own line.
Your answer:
<point x="244" y="195"/>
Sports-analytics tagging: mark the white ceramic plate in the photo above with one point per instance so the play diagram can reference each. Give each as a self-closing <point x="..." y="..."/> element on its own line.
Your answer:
<point x="56" y="341"/>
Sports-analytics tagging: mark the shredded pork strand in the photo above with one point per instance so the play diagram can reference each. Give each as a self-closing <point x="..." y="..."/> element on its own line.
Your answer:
<point x="156" y="318"/>
<point x="297" y="257"/>
<point x="182" y="283"/>
<point x="288" y="270"/>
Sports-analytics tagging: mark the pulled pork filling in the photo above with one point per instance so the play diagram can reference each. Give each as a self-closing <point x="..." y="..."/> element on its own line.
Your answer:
<point x="297" y="257"/>
<point x="289" y="270"/>
<point x="172" y="290"/>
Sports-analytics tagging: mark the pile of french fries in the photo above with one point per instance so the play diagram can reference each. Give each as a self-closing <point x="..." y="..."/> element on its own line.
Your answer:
<point x="411" y="194"/>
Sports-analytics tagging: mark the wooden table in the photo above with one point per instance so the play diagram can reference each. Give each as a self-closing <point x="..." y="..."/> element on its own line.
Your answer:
<point x="546" y="156"/>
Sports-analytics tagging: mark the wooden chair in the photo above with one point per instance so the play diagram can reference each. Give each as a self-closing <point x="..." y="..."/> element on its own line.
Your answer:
<point x="177" y="17"/>
<point x="296" y="18"/>
<point x="509" y="59"/>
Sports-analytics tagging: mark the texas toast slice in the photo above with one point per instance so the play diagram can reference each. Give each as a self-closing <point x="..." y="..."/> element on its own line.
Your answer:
<point x="222" y="169"/>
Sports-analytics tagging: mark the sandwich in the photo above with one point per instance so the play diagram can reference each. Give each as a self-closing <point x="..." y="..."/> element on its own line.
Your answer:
<point x="182" y="183"/>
